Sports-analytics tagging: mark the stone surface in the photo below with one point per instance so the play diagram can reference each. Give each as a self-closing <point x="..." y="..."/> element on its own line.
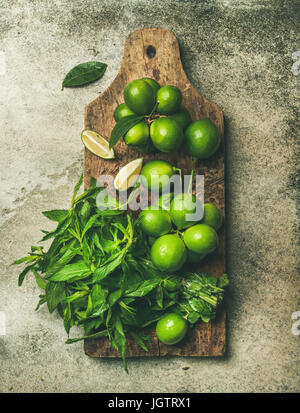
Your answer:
<point x="239" y="55"/>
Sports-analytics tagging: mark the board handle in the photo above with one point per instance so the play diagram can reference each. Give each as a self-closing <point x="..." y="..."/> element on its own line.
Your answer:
<point x="158" y="49"/>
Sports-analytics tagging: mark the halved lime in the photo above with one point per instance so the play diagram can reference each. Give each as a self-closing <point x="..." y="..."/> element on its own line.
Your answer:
<point x="128" y="175"/>
<point x="97" y="144"/>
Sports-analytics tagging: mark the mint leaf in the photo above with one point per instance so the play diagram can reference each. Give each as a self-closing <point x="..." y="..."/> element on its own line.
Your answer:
<point x="57" y="215"/>
<point x="71" y="272"/>
<point x="101" y="272"/>
<point x="55" y="293"/>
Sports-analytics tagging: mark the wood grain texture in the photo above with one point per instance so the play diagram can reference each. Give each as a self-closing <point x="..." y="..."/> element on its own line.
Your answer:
<point x="206" y="339"/>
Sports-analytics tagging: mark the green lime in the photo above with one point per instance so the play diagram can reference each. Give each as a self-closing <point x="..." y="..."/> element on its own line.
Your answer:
<point x="169" y="100"/>
<point x="166" y="134"/>
<point x="194" y="258"/>
<point x="182" y="117"/>
<point x="202" y="138"/>
<point x="164" y="201"/>
<point x="140" y="97"/>
<point x="155" y="222"/>
<point x="156" y="175"/>
<point x="212" y="216"/>
<point x="171" y="328"/>
<point x="153" y="83"/>
<point x="122" y="111"/>
<point x="168" y="253"/>
<point x="138" y="135"/>
<point x="201" y="239"/>
<point x="184" y="205"/>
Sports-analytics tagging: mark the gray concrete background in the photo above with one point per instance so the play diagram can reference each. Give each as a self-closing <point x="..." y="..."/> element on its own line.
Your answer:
<point x="239" y="55"/>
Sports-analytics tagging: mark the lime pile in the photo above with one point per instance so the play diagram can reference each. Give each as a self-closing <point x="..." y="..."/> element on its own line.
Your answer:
<point x="161" y="122"/>
<point x="177" y="232"/>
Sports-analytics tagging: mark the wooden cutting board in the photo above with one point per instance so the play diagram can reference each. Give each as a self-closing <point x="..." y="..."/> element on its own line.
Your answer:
<point x="155" y="53"/>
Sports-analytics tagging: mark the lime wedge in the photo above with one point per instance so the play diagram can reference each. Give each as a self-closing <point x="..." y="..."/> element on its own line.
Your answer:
<point x="128" y="175"/>
<point x="97" y="144"/>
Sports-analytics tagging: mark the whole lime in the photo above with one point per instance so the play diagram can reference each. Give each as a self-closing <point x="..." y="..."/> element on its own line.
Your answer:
<point x="122" y="111"/>
<point x="171" y="328"/>
<point x="138" y="135"/>
<point x="168" y="253"/>
<point x="184" y="205"/>
<point x="166" y="134"/>
<point x="169" y="99"/>
<point x="212" y="216"/>
<point x="165" y="200"/>
<point x="155" y="222"/>
<point x="182" y="117"/>
<point x="153" y="83"/>
<point x="194" y="258"/>
<point x="202" y="138"/>
<point x="140" y="97"/>
<point x="201" y="239"/>
<point x="156" y="175"/>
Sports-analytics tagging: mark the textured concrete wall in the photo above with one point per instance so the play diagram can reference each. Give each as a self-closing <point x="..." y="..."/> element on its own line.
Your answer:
<point x="239" y="55"/>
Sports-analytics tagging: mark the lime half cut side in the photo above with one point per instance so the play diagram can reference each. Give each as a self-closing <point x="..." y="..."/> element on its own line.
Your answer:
<point x="97" y="144"/>
<point x="128" y="175"/>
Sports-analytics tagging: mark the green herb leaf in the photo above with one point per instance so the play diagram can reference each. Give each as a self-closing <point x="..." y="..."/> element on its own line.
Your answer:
<point x="55" y="293"/>
<point x="63" y="260"/>
<point x="89" y="224"/>
<point x="139" y="338"/>
<point x="84" y="73"/>
<point x="101" y="272"/>
<point x="76" y="188"/>
<point x="42" y="301"/>
<point x="72" y="272"/>
<point x="119" y="341"/>
<point x="102" y="333"/>
<point x="67" y="316"/>
<point x="61" y="228"/>
<point x="159" y="296"/>
<point x="114" y="297"/>
<point x="28" y="259"/>
<point x="144" y="288"/>
<point x="75" y="296"/>
<point x="89" y="193"/>
<point x="122" y="127"/>
<point x="57" y="215"/>
<point x="23" y="274"/>
<point x="39" y="280"/>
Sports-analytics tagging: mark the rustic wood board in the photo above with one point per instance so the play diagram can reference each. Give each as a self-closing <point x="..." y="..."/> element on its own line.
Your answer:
<point x="206" y="339"/>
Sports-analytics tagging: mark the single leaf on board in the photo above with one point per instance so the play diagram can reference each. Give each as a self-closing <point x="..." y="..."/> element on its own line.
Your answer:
<point x="122" y="127"/>
<point x="84" y="73"/>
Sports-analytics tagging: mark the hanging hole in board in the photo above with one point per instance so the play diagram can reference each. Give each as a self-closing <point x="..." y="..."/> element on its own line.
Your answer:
<point x="151" y="51"/>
